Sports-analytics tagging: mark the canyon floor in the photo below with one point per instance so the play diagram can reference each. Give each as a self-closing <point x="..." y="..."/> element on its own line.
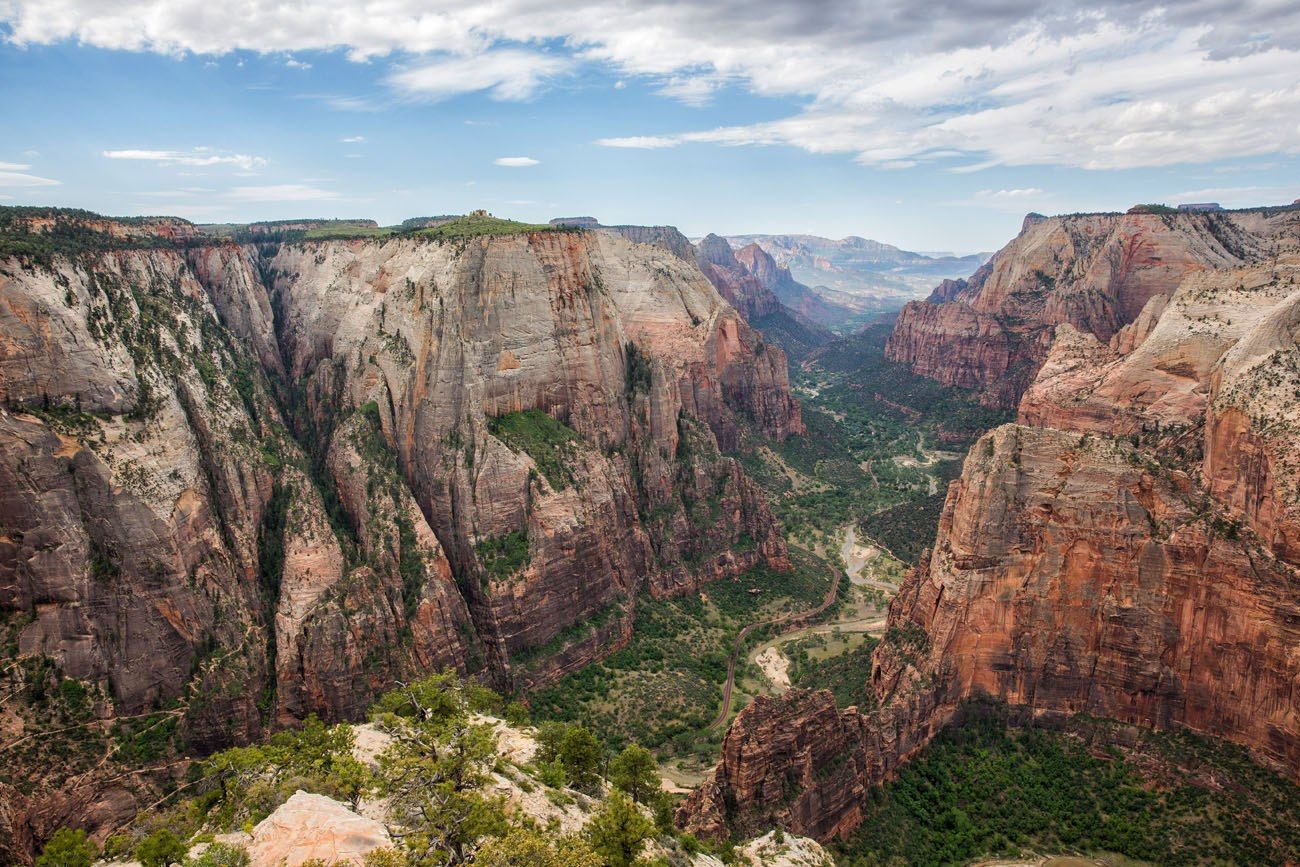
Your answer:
<point x="859" y="497"/>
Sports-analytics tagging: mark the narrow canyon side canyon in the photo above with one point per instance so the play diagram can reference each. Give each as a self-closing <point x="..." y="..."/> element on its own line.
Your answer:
<point x="1127" y="549"/>
<point x="244" y="483"/>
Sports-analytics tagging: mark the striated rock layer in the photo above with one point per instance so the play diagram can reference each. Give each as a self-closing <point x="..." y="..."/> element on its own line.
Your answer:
<point x="1128" y="551"/>
<point x="248" y="483"/>
<point x="1093" y="272"/>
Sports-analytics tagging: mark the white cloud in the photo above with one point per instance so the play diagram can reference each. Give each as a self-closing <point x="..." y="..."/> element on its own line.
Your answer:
<point x="200" y="156"/>
<point x="281" y="193"/>
<point x="19" y="178"/>
<point x="353" y="139"/>
<point x="693" y="90"/>
<point x="506" y="74"/>
<point x="1240" y="196"/>
<point x="296" y="64"/>
<point x="640" y="141"/>
<point x="515" y="162"/>
<point x="1007" y="195"/>
<point x="1106" y="84"/>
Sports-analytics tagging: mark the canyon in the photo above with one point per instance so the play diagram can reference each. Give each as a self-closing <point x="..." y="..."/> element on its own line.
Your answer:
<point x="246" y="480"/>
<point x="1126" y="549"/>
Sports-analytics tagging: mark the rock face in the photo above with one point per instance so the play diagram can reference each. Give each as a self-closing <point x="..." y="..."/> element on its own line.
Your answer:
<point x="746" y="292"/>
<point x="1127" y="551"/>
<point x="794" y="332"/>
<point x="776" y="279"/>
<point x="1093" y="272"/>
<point x="313" y="827"/>
<point x="256" y="482"/>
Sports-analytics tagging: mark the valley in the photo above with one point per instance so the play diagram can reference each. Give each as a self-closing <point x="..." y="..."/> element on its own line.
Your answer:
<point x="832" y="593"/>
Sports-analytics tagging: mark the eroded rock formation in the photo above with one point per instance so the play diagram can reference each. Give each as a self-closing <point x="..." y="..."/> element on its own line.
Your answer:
<point x="1093" y="272"/>
<point x="248" y="483"/>
<point x="1127" y="551"/>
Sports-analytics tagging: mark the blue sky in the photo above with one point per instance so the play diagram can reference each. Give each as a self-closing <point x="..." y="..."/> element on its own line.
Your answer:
<point x="933" y="132"/>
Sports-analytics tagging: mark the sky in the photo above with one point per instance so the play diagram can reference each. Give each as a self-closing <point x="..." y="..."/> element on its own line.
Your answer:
<point x="933" y="126"/>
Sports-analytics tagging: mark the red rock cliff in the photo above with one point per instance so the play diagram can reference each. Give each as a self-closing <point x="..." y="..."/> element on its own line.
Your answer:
<point x="1131" y="555"/>
<point x="1094" y="272"/>
<point x="250" y="502"/>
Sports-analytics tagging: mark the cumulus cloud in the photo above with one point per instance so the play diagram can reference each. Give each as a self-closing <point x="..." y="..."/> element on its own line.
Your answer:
<point x="201" y="156"/>
<point x="506" y="74"/>
<point x="891" y="83"/>
<point x="516" y="162"/>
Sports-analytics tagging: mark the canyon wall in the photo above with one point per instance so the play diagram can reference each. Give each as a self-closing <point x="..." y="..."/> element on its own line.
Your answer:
<point x="244" y="483"/>
<point x="1093" y="272"/>
<point x="1127" y="550"/>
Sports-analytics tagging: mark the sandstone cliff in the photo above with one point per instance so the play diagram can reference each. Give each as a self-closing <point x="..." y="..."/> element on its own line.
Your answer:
<point x="799" y="298"/>
<point x="241" y="484"/>
<point x="1128" y="551"/>
<point x="1094" y="272"/>
<point x="794" y="332"/>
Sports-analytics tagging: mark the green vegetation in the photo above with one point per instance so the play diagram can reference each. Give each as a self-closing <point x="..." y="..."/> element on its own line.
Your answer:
<point x="344" y="229"/>
<point x="436" y="779"/>
<point x="618" y="831"/>
<point x="635" y="772"/>
<point x="162" y="848"/>
<point x="981" y="789"/>
<point x="245" y="784"/>
<point x="639" y="372"/>
<point x="528" y="848"/>
<point x="551" y="443"/>
<point x="575" y="751"/>
<point x="845" y="674"/>
<point x="881" y="445"/>
<point x="68" y="848"/>
<point x="665" y="687"/>
<point x="71" y="232"/>
<point x="504" y="555"/>
<point x="479" y="225"/>
<point x="219" y="855"/>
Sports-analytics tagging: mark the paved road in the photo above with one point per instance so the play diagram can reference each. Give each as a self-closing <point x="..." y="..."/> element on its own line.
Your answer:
<point x="795" y="618"/>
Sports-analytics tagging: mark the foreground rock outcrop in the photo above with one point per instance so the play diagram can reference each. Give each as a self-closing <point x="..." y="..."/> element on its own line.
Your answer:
<point x="314" y="828"/>
<point x="1093" y="272"/>
<point x="242" y="483"/>
<point x="1128" y="551"/>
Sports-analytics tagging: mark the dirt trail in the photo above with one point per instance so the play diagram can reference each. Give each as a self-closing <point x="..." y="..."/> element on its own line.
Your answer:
<point x="794" y="618"/>
<point x="775" y="664"/>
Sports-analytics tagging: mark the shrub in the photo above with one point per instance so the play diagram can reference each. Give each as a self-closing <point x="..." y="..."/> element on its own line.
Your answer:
<point x="68" y="848"/>
<point x="160" y="849"/>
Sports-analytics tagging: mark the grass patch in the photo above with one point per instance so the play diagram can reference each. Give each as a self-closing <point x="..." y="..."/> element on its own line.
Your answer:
<point x="504" y="555"/>
<point x="551" y="443"/>
<point x="343" y="230"/>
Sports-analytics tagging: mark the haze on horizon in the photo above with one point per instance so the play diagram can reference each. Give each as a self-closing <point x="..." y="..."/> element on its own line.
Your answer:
<point x="929" y="126"/>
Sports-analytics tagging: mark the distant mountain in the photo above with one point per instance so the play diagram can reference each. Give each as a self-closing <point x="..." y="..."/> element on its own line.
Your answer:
<point x="861" y="266"/>
<point x="752" y="294"/>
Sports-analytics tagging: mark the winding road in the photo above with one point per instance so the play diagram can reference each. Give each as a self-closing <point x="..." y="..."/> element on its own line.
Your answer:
<point x="793" y="617"/>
